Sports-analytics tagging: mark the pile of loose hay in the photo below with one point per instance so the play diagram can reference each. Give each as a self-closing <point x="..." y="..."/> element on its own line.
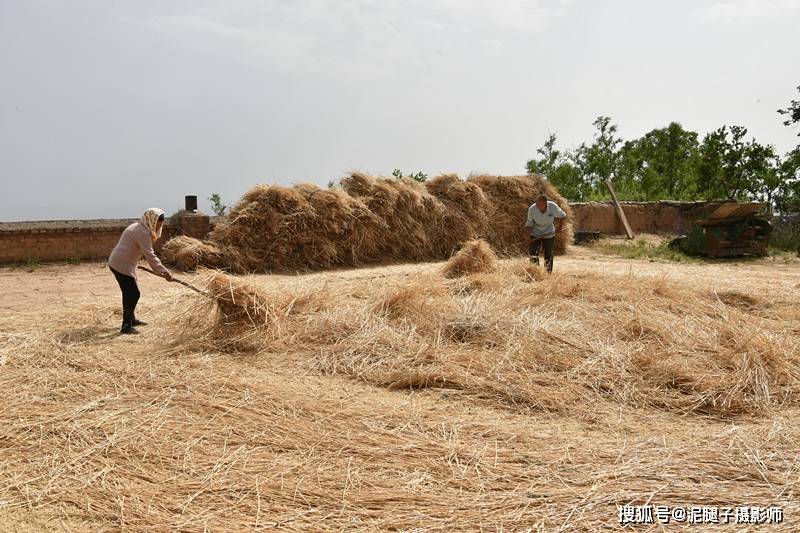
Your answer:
<point x="371" y="220"/>
<point x="410" y="219"/>
<point x="535" y="405"/>
<point x="239" y="302"/>
<point x="474" y="257"/>
<point x="626" y="339"/>
<point x="188" y="253"/>
<point x="566" y="339"/>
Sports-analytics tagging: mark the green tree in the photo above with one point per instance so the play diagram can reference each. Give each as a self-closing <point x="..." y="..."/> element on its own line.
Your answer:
<point x="736" y="169"/>
<point x="762" y="171"/>
<point x="787" y="196"/>
<point x="420" y="176"/>
<point x="662" y="164"/>
<point x="721" y="172"/>
<point x="670" y="163"/>
<point x="599" y="161"/>
<point x="551" y="158"/>
<point x="560" y="170"/>
<point x="216" y="204"/>
<point x="792" y="112"/>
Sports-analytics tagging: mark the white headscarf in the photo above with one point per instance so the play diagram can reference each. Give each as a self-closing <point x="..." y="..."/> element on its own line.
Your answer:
<point x="150" y="221"/>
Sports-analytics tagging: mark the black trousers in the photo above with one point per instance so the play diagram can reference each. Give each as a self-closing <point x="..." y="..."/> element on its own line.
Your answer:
<point x="547" y="245"/>
<point x="130" y="297"/>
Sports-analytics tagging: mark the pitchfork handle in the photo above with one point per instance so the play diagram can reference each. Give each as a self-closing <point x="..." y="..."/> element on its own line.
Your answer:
<point x="176" y="280"/>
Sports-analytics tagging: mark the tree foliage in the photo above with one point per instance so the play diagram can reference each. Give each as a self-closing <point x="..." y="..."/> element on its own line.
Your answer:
<point x="216" y="204"/>
<point x="662" y="163"/>
<point x="671" y="163"/>
<point x="420" y="176"/>
<point x="792" y="112"/>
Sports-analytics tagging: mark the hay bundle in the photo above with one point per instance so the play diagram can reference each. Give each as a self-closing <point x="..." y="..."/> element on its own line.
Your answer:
<point x="302" y="227"/>
<point x="475" y="257"/>
<point x="239" y="303"/>
<point x="467" y="209"/>
<point x="422" y="304"/>
<point x="511" y="196"/>
<point x="188" y="253"/>
<point x="344" y="226"/>
<point x="373" y="220"/>
<point x="409" y="216"/>
<point x="532" y="272"/>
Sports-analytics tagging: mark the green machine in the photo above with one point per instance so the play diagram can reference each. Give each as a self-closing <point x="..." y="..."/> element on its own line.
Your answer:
<point x="731" y="230"/>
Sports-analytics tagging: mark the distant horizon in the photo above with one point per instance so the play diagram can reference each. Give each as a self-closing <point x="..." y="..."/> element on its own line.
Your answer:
<point x="44" y="213"/>
<point x="109" y="108"/>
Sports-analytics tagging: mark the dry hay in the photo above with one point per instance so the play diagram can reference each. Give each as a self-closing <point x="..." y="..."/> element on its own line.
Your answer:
<point x="532" y="272"/>
<point x="302" y="227"/>
<point x="510" y="197"/>
<point x="411" y="219"/>
<point x="374" y="220"/>
<point x="738" y="299"/>
<point x="237" y="316"/>
<point x="622" y="339"/>
<point x="473" y="258"/>
<point x="188" y="253"/>
<point x="536" y="405"/>
<point x="239" y="303"/>
<point x="467" y="210"/>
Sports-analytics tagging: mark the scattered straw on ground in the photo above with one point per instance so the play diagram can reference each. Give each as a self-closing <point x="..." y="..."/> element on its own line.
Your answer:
<point x="395" y="398"/>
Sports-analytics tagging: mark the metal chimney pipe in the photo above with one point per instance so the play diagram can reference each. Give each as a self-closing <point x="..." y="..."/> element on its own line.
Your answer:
<point x="191" y="203"/>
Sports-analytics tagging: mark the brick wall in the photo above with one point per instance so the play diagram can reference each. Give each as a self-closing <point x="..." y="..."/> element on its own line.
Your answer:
<point x="94" y="239"/>
<point x="65" y="240"/>
<point x="665" y="217"/>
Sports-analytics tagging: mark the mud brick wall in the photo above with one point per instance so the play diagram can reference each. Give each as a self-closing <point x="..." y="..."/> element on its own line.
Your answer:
<point x="664" y="218"/>
<point x="65" y="240"/>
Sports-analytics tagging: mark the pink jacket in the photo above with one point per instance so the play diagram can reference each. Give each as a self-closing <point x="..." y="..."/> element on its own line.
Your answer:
<point x="134" y="243"/>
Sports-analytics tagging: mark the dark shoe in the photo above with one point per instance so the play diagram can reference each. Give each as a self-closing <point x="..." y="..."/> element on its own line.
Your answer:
<point x="137" y="322"/>
<point x="535" y="260"/>
<point x="130" y="330"/>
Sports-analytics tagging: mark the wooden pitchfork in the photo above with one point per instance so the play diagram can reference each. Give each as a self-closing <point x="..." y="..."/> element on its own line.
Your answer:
<point x="176" y="280"/>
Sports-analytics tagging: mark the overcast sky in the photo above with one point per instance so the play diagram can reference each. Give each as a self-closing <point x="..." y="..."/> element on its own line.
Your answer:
<point x="109" y="107"/>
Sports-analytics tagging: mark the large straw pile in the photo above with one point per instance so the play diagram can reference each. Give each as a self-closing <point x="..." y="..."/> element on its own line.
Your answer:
<point x="371" y="220"/>
<point x="410" y="219"/>
<point x="301" y="227"/>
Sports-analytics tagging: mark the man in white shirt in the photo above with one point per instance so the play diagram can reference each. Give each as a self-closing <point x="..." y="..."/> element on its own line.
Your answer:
<point x="544" y="219"/>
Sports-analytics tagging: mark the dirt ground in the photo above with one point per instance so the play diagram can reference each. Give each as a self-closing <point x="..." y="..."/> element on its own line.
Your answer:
<point x="23" y="288"/>
<point x="273" y="442"/>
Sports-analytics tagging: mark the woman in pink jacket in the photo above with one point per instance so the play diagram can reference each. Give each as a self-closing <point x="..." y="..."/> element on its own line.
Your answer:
<point x="136" y="241"/>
